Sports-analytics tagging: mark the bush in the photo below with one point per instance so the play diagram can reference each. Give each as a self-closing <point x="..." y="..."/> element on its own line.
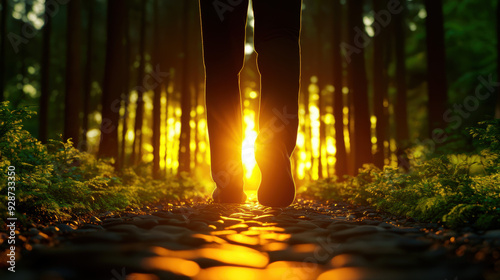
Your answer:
<point x="56" y="180"/>
<point x="456" y="189"/>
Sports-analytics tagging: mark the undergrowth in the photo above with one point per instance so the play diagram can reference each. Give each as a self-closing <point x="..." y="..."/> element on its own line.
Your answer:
<point x="459" y="189"/>
<point x="56" y="180"/>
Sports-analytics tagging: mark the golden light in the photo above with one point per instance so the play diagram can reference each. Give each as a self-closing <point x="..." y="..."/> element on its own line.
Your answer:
<point x="244" y="239"/>
<point x="291" y="270"/>
<point x="314" y="155"/>
<point x="229" y="273"/>
<point x="175" y="265"/>
<point x="248" y="146"/>
<point x="225" y="253"/>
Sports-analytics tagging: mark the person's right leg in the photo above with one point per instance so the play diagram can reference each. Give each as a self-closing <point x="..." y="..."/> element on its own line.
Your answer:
<point x="223" y="29"/>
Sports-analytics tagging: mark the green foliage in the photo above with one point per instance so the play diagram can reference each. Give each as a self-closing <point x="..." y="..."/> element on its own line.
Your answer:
<point x="456" y="189"/>
<point x="57" y="180"/>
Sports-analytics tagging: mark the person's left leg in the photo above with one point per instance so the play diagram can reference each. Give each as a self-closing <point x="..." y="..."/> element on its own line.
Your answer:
<point x="277" y="32"/>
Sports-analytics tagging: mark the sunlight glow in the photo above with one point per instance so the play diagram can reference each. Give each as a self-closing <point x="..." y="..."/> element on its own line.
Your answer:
<point x="247" y="151"/>
<point x="248" y="49"/>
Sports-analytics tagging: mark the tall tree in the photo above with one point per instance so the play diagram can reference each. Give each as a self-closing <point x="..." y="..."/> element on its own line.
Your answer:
<point x="497" y="110"/>
<point x="136" y="156"/>
<point x="3" y="37"/>
<point x="358" y="86"/>
<point x="322" y="82"/>
<point x="338" y="98"/>
<point x="401" y="110"/>
<point x="157" y="94"/>
<point x="126" y="84"/>
<point x="436" y="66"/>
<point x="45" y="78"/>
<point x="379" y="84"/>
<point x="73" y="95"/>
<point x="170" y="25"/>
<point x="184" y="148"/>
<point x="112" y="85"/>
<point x="87" y="83"/>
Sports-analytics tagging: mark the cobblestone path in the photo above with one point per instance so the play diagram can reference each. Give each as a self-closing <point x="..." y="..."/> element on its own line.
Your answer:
<point x="247" y="241"/>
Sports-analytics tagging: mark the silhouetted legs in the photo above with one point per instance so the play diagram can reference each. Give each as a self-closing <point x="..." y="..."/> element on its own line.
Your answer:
<point x="277" y="28"/>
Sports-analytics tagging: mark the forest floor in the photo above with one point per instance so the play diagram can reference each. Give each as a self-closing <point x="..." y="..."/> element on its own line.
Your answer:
<point x="200" y="240"/>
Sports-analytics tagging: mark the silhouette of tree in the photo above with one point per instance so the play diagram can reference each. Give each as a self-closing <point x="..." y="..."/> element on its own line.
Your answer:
<point x="87" y="82"/>
<point x="73" y="96"/>
<point x="45" y="78"/>
<point x="136" y="155"/>
<point x="436" y="66"/>
<point x="112" y="85"/>
<point x="358" y="87"/>
<point x="338" y="102"/>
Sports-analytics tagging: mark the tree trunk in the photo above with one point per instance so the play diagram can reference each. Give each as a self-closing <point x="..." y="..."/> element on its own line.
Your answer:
<point x="358" y="86"/>
<point x="401" y="95"/>
<point x="338" y="98"/>
<point x="436" y="68"/>
<point x="169" y="23"/>
<point x="136" y="156"/>
<point x="184" y="149"/>
<point x="3" y="36"/>
<point x="126" y="84"/>
<point x="73" y="95"/>
<point x="320" y="68"/>
<point x="88" y="75"/>
<point x="379" y="85"/>
<point x="112" y="85"/>
<point x="401" y="114"/>
<point x="45" y="78"/>
<point x="157" y="95"/>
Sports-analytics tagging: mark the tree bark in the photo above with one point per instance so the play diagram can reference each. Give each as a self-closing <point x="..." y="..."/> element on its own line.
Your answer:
<point x="184" y="149"/>
<point x="136" y="156"/>
<point x="436" y="67"/>
<point x="45" y="79"/>
<point x="73" y="78"/>
<point x="3" y="35"/>
<point x="157" y="95"/>
<point x="170" y="24"/>
<point x="320" y="68"/>
<point x="87" y="91"/>
<point x="112" y="85"/>
<point x="401" y="110"/>
<point x="379" y="86"/>
<point x="126" y="84"/>
<point x="338" y="98"/>
<point x="358" y="86"/>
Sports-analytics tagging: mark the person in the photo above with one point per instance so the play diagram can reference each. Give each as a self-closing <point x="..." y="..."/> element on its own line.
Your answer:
<point x="276" y="41"/>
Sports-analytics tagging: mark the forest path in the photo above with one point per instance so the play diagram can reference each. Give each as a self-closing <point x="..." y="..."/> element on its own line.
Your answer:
<point x="247" y="241"/>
